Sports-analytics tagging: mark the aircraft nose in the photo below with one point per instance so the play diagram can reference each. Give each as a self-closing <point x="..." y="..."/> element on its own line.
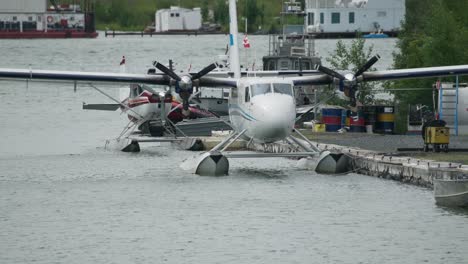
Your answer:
<point x="275" y="114"/>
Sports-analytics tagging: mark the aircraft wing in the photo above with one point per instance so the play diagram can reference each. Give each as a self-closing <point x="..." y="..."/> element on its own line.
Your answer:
<point x="226" y="74"/>
<point x="82" y="77"/>
<point x="387" y="75"/>
<point x="217" y="82"/>
<point x="415" y="73"/>
<point x="313" y="80"/>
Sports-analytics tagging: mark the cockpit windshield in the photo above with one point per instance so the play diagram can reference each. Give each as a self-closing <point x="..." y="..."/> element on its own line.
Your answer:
<point x="135" y="89"/>
<point x="282" y="88"/>
<point x="260" y="88"/>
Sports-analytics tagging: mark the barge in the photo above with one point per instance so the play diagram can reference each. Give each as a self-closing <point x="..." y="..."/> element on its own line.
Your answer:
<point x="26" y="19"/>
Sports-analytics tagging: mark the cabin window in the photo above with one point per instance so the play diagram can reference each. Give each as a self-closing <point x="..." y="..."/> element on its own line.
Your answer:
<point x="335" y="18"/>
<point x="30" y="18"/>
<point x="351" y="17"/>
<point x="284" y="65"/>
<point x="15" y="18"/>
<point x="177" y="14"/>
<point x="247" y="94"/>
<point x="311" y="18"/>
<point x="136" y="90"/>
<point x="234" y="92"/>
<point x="272" y="65"/>
<point x="261" y="88"/>
<point x="172" y="14"/>
<point x="322" y="18"/>
<point x="282" y="88"/>
<point x="305" y="65"/>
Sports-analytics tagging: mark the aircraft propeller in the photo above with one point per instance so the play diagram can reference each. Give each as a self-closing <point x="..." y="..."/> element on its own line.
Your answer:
<point x="184" y="84"/>
<point x="349" y="82"/>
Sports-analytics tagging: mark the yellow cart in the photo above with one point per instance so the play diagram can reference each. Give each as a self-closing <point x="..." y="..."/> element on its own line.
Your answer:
<point x="438" y="137"/>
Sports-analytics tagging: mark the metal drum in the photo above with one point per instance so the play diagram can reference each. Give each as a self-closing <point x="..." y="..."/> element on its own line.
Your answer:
<point x="357" y="122"/>
<point x="370" y="115"/>
<point x="385" y="119"/>
<point x="332" y="118"/>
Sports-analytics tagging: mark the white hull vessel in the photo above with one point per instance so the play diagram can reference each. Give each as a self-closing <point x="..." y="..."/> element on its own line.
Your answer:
<point x="452" y="193"/>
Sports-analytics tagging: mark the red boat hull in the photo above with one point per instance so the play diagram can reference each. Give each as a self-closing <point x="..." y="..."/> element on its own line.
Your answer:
<point x="49" y="34"/>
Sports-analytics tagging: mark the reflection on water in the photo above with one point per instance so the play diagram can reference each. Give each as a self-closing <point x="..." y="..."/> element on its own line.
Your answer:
<point x="261" y="174"/>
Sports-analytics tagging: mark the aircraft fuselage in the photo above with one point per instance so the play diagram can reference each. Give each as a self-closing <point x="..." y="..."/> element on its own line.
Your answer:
<point x="264" y="107"/>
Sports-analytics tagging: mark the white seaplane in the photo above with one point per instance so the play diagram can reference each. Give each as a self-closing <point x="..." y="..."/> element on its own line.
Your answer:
<point x="261" y="109"/>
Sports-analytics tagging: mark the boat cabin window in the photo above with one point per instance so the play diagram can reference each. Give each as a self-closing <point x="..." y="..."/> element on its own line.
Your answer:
<point x="282" y="88"/>
<point x="351" y="17"/>
<point x="335" y="18"/>
<point x="260" y="88"/>
<point x="305" y="65"/>
<point x="247" y="94"/>
<point x="284" y="65"/>
<point x="311" y="18"/>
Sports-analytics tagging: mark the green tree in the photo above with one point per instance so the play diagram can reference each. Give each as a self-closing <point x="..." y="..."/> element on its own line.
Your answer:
<point x="352" y="58"/>
<point x="437" y="38"/>
<point x="205" y="10"/>
<point x="251" y="13"/>
<point x="221" y="13"/>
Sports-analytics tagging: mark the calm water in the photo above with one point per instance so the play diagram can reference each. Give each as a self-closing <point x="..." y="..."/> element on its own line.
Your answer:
<point x="66" y="200"/>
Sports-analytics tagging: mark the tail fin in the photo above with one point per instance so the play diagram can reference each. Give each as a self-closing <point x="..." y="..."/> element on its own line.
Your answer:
<point x="233" y="40"/>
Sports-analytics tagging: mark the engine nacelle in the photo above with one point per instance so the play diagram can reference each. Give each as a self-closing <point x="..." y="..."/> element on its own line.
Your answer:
<point x="184" y="85"/>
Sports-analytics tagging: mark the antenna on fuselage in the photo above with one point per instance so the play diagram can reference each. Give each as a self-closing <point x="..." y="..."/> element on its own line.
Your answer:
<point x="233" y="40"/>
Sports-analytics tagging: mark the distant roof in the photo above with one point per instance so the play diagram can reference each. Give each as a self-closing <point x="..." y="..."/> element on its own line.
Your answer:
<point x="178" y="8"/>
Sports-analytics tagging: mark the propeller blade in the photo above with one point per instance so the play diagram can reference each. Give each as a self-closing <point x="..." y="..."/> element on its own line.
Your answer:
<point x="352" y="96"/>
<point x="330" y="72"/>
<point x="167" y="71"/>
<point x="367" y="66"/>
<point x="204" y="71"/>
<point x="185" y="104"/>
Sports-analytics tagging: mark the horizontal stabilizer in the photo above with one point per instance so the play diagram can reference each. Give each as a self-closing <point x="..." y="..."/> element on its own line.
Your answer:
<point x="102" y="107"/>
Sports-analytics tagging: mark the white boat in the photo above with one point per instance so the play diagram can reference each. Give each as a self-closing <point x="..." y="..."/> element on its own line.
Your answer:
<point x="451" y="192"/>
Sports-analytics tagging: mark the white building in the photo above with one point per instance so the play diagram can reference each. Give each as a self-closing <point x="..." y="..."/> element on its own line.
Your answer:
<point x="33" y="15"/>
<point x="338" y="16"/>
<point x="177" y="18"/>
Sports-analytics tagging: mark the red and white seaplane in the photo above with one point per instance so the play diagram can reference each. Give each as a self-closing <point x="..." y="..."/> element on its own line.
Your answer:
<point x="150" y="113"/>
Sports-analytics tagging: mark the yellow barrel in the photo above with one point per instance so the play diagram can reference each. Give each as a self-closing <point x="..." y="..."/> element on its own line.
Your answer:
<point x="385" y="119"/>
<point x="318" y="127"/>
